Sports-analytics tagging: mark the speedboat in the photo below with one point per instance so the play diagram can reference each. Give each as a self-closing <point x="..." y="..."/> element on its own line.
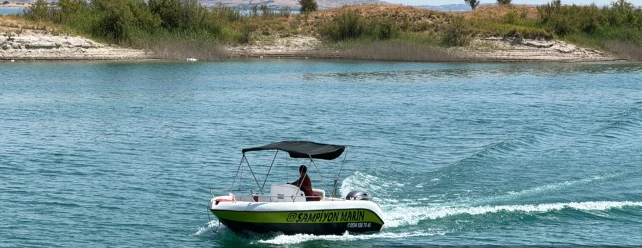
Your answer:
<point x="286" y="209"/>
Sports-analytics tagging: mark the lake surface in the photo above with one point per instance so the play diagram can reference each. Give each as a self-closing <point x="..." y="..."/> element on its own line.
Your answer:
<point x="124" y="154"/>
<point x="10" y="10"/>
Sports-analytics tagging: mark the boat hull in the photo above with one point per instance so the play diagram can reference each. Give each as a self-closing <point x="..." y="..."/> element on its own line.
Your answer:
<point x="319" y="218"/>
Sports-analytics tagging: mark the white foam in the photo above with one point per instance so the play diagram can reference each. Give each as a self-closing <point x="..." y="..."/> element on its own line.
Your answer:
<point x="364" y="182"/>
<point x="211" y="228"/>
<point x="402" y="215"/>
<point x="375" y="187"/>
<point x="300" y="238"/>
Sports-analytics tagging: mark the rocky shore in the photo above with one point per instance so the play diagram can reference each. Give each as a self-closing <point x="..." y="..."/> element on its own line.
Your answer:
<point x="529" y="50"/>
<point x="30" y="45"/>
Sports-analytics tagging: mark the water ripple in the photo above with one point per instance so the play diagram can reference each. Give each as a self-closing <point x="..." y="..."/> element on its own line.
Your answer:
<point x="124" y="154"/>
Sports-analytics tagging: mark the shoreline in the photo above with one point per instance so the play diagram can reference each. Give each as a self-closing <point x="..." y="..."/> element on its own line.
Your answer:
<point x="31" y="45"/>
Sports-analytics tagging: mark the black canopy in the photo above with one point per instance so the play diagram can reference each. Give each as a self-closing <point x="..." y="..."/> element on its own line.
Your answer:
<point x="303" y="149"/>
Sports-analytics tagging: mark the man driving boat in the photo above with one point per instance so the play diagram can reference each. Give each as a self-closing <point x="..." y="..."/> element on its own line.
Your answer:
<point x="304" y="182"/>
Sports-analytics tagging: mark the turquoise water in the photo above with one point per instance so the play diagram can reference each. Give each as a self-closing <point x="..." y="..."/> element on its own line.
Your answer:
<point x="10" y="10"/>
<point x="124" y="154"/>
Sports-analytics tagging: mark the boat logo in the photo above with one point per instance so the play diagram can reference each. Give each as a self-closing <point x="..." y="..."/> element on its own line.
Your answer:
<point x="326" y="216"/>
<point x="291" y="217"/>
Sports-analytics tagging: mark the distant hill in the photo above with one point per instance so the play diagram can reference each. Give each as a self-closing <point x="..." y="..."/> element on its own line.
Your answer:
<point x="449" y="7"/>
<point x="294" y="4"/>
<point x="457" y="7"/>
<point x="328" y="4"/>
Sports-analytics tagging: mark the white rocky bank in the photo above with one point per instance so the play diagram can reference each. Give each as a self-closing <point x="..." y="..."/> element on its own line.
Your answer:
<point x="30" y="45"/>
<point x="531" y="50"/>
<point x="38" y="46"/>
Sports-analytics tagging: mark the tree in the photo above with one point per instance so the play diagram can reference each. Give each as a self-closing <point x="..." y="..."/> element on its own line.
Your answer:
<point x="503" y="2"/>
<point x="473" y="3"/>
<point x="68" y="10"/>
<point x="622" y="5"/>
<point x="308" y="6"/>
<point x="178" y="14"/>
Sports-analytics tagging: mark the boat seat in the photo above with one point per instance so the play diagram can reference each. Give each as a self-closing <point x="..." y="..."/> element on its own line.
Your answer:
<point x="318" y="194"/>
<point x="286" y="193"/>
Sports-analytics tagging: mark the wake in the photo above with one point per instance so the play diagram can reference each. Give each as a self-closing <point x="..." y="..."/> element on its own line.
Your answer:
<point x="300" y="238"/>
<point x="397" y="216"/>
<point x="402" y="212"/>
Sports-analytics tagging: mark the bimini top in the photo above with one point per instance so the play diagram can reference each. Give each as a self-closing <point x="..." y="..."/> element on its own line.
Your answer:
<point x="303" y="149"/>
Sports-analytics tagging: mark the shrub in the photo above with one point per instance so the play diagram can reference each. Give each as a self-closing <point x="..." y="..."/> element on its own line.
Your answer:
<point x="511" y="17"/>
<point x="246" y="33"/>
<point x="178" y="14"/>
<point x="115" y="22"/>
<point x="308" y="6"/>
<point x="456" y="33"/>
<point x="386" y="30"/>
<point x="38" y="11"/>
<point x="348" y="25"/>
<point x="69" y="10"/>
<point x="561" y="25"/>
<point x="563" y="20"/>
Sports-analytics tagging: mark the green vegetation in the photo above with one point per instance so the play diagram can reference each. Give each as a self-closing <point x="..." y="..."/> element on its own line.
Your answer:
<point x="617" y="28"/>
<point x="308" y="6"/>
<point x="175" y="28"/>
<point x="456" y="33"/>
<point x="349" y="25"/>
<point x="512" y="25"/>
<point x="154" y="24"/>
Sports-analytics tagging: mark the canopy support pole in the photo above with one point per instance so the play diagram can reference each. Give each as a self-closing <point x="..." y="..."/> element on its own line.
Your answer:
<point x="325" y="186"/>
<point x="257" y="181"/>
<point x="345" y="156"/>
<point x="268" y="174"/>
<point x="237" y="172"/>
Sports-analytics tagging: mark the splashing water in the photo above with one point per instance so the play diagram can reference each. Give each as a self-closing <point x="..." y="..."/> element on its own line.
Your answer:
<point x="401" y="216"/>
<point x="300" y="238"/>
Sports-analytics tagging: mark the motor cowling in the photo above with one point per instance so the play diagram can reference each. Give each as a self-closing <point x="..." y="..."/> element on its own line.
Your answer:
<point x="357" y="196"/>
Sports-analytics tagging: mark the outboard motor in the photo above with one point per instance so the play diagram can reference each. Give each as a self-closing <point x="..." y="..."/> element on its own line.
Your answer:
<point x="357" y="195"/>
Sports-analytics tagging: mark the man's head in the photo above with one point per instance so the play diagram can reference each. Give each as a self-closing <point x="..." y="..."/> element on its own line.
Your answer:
<point x="303" y="169"/>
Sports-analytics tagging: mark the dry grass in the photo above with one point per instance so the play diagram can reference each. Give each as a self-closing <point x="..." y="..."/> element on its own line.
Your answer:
<point x="399" y="51"/>
<point x="408" y="18"/>
<point x="411" y="19"/>
<point x="626" y="50"/>
<point x="182" y="50"/>
<point x="499" y="12"/>
<point x="15" y="24"/>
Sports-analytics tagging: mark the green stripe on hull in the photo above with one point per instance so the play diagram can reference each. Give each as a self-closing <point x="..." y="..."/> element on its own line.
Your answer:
<point x="302" y="217"/>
